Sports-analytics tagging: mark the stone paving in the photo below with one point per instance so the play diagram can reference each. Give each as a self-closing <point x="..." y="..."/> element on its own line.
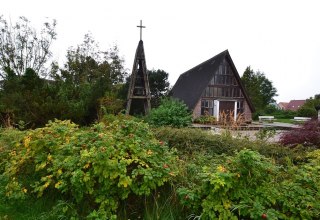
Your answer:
<point x="253" y="129"/>
<point x="278" y="125"/>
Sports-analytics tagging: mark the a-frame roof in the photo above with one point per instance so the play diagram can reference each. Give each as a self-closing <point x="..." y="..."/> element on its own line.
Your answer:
<point x="192" y="83"/>
<point x="139" y="69"/>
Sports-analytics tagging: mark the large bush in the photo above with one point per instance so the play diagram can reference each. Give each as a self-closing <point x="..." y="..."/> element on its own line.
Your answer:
<point x="107" y="170"/>
<point x="306" y="111"/>
<point x="233" y="178"/>
<point x="308" y="134"/>
<point x="92" y="169"/>
<point x="171" y="112"/>
<point x="7" y="137"/>
<point x="277" y="113"/>
<point x="251" y="186"/>
<point x="189" y="141"/>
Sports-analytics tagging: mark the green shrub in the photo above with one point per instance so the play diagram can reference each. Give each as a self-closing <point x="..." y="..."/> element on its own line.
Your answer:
<point x="114" y="169"/>
<point x="216" y="182"/>
<point x="171" y="112"/>
<point x="94" y="168"/>
<point x="251" y="186"/>
<point x="7" y="137"/>
<point x="308" y="134"/>
<point x="285" y="114"/>
<point x="206" y="119"/>
<point x="277" y="113"/>
<point x="306" y="111"/>
<point x="191" y="140"/>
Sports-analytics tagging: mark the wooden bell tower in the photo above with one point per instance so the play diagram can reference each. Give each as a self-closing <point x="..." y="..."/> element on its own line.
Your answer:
<point x="139" y="91"/>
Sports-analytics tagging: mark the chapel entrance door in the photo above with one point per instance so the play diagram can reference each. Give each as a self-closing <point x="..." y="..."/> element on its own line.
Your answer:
<point x="226" y="109"/>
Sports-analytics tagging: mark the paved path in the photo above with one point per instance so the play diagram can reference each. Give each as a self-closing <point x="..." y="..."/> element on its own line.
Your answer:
<point x="256" y="126"/>
<point x="251" y="133"/>
<point x="277" y="125"/>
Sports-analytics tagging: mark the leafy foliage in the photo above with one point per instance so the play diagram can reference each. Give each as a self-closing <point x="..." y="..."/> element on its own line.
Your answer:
<point x="159" y="86"/>
<point x="309" y="107"/>
<point x="27" y="99"/>
<point x="217" y="183"/>
<point x="24" y="55"/>
<point x="110" y="104"/>
<point x="189" y="140"/>
<point x="305" y="111"/>
<point x="308" y="134"/>
<point x="206" y="119"/>
<point x="170" y="112"/>
<point x="7" y="137"/>
<point x="114" y="169"/>
<point x="278" y="113"/>
<point x="89" y="80"/>
<point x="96" y="167"/>
<point x="259" y="88"/>
<point x="249" y="185"/>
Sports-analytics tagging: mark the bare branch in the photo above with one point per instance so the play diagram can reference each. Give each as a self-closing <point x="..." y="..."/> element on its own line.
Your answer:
<point x="21" y="47"/>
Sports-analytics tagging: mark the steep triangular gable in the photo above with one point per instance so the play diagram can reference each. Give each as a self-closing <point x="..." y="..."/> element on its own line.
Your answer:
<point x="236" y="74"/>
<point x="191" y="84"/>
<point x="139" y="89"/>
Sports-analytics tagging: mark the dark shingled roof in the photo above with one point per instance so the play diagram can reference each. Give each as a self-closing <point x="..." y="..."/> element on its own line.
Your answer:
<point x="191" y="84"/>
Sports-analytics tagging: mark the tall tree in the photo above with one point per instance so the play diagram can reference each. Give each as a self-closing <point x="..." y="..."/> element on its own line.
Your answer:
<point x="159" y="85"/>
<point x="26" y="100"/>
<point x="22" y="47"/>
<point x="74" y="91"/>
<point x="88" y="75"/>
<point x="24" y="53"/>
<point x="260" y="89"/>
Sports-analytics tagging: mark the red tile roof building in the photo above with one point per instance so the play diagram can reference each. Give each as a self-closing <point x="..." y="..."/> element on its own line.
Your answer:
<point x="294" y="105"/>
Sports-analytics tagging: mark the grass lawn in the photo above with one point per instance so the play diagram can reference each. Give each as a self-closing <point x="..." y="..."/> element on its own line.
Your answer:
<point x="290" y="121"/>
<point x="285" y="120"/>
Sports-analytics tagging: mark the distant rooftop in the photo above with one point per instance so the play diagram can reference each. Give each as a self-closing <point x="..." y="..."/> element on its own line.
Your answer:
<point x="294" y="105"/>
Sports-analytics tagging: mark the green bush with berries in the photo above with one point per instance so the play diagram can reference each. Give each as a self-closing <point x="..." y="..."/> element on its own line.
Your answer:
<point x="251" y="186"/>
<point x="121" y="168"/>
<point x="91" y="169"/>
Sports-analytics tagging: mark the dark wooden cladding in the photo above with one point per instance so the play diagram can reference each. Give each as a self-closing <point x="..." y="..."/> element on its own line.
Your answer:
<point x="226" y="106"/>
<point x="223" y="84"/>
<point x="214" y="86"/>
<point x="219" y="91"/>
<point x="139" y="91"/>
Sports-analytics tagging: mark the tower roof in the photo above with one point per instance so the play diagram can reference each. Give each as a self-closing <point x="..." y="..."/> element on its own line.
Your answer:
<point x="139" y="90"/>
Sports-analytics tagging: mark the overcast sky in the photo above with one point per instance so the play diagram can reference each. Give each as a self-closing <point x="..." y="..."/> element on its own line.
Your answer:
<point x="280" y="38"/>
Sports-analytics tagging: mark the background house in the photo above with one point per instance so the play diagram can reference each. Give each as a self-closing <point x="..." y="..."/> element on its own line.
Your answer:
<point x="213" y="87"/>
<point x="283" y="105"/>
<point x="294" y="105"/>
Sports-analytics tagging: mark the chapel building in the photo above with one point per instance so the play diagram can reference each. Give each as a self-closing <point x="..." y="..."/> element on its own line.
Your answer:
<point x="214" y="88"/>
